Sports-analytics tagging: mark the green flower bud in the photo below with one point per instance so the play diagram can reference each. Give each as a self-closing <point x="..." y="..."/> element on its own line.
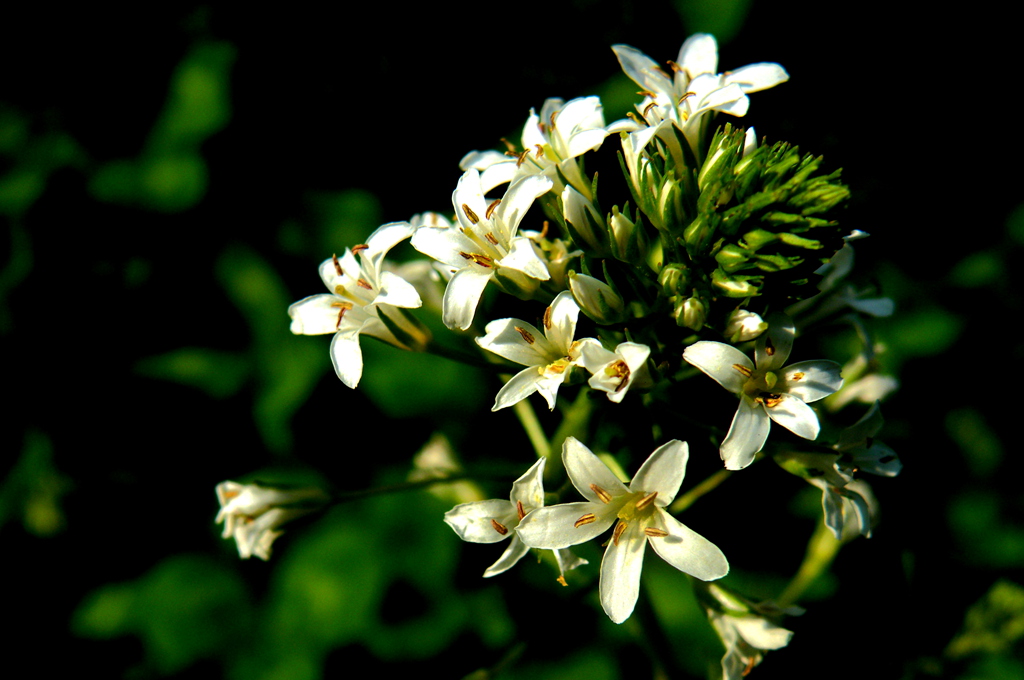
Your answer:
<point x="691" y="313"/>
<point x="674" y="279"/>
<point x="597" y="299"/>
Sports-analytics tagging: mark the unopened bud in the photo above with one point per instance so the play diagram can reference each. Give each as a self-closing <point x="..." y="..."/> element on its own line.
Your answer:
<point x="691" y="313"/>
<point x="596" y="299"/>
<point x="674" y="279"/>
<point x="585" y="224"/>
<point x="742" y="326"/>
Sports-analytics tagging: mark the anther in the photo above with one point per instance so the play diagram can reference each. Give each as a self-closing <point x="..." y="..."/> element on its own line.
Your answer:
<point x="796" y="376"/>
<point x="769" y="400"/>
<point x="553" y="114"/>
<point x="649" y="107"/>
<point x="522" y="157"/>
<point x="490" y="237"/>
<point x="561" y="579"/>
<point x="646" y="500"/>
<point x="359" y="248"/>
<point x="769" y="348"/>
<point x="586" y="519"/>
<point x="509" y="146"/>
<point x="491" y="207"/>
<point x="686" y="96"/>
<point x="601" y="493"/>
<point x="744" y="371"/>
<point x="540" y="151"/>
<point x="481" y="260"/>
<point x="470" y="214"/>
<point x="499" y="527"/>
<point x="621" y="371"/>
<point x="362" y="283"/>
<point x="337" y="265"/>
<point x="547" y="318"/>
<point x="519" y="509"/>
<point x="544" y="229"/>
<point x="655" y="532"/>
<point x="676" y="68"/>
<point x="526" y="334"/>
<point x="619" y="528"/>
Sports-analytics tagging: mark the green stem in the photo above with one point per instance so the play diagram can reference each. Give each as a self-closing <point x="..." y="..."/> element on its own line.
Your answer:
<point x="532" y="426"/>
<point x="821" y="551"/>
<point x="574" y="424"/>
<point x="346" y="496"/>
<point x="453" y="354"/>
<point x="691" y="496"/>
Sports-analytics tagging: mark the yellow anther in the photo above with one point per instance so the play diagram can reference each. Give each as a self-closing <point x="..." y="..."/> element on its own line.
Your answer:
<point x="796" y="377"/>
<point x="540" y="151"/>
<point x="769" y="348"/>
<point x="585" y="519"/>
<point x="499" y="527"/>
<point x="619" y="528"/>
<point x="674" y="66"/>
<point x="362" y="283"/>
<point x="470" y="214"/>
<point x="519" y="509"/>
<point x="561" y="579"/>
<point x="547" y="318"/>
<point x="527" y="336"/>
<point x="646" y="500"/>
<point x="655" y="532"/>
<point x="544" y="229"/>
<point x="490" y="209"/>
<point x="744" y="371"/>
<point x="359" y="248"/>
<point x="601" y="493"/>
<point x="619" y="370"/>
<point x="769" y="400"/>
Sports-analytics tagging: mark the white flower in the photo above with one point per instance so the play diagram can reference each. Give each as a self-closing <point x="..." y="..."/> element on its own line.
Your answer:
<point x="548" y="355"/>
<point x="860" y="449"/>
<point x="252" y="513"/>
<point x="743" y="325"/>
<point x="849" y="510"/>
<point x="495" y="520"/>
<point x="768" y="391"/>
<point x="484" y="245"/>
<point x="360" y="291"/>
<point x="597" y="299"/>
<point x="639" y="515"/>
<point x="745" y="630"/>
<point x="614" y="372"/>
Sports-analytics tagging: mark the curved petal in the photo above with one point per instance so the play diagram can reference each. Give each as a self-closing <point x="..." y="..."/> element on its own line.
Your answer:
<point x="686" y="550"/>
<point x="719" y="361"/>
<point x="812" y="380"/>
<point x="746" y="436"/>
<point x="620" y="573"/>
<point x="473" y="521"/>
<point x="517" y="201"/>
<point x="462" y="296"/>
<point x="555" y="527"/>
<point x="567" y="560"/>
<point x="641" y="69"/>
<point x="663" y="472"/>
<point x="699" y="54"/>
<point x="523" y="384"/>
<point x="316" y="314"/>
<point x="347" y="357"/>
<point x="396" y="291"/>
<point x="549" y="383"/>
<point x="518" y="341"/>
<point x="757" y="77"/>
<point x="760" y="633"/>
<point x="469" y="193"/>
<point x="773" y="347"/>
<point x="584" y="469"/>
<point x="529" y="489"/>
<point x="515" y="551"/>
<point x="563" y="318"/>
<point x="523" y="257"/>
<point x="384" y="239"/>
<point x="795" y="416"/>
<point x="444" y="244"/>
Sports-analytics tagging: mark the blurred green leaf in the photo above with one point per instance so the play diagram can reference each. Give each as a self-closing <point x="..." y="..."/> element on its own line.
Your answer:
<point x="199" y="100"/>
<point x="977" y="270"/>
<point x="722" y="18"/>
<point x="219" y="374"/>
<point x="980" y="446"/>
<point x="985" y="538"/>
<point x="993" y="625"/>
<point x="33" y="488"/>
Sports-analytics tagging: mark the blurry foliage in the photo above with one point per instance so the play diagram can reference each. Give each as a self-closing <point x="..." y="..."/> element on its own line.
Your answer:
<point x="33" y="489"/>
<point x="991" y="635"/>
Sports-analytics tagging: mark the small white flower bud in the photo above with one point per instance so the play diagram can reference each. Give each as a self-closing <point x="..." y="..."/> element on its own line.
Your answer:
<point x="597" y="299"/>
<point x="743" y="326"/>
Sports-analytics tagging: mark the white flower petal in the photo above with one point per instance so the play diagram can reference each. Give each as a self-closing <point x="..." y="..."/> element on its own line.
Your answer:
<point x="641" y="69"/>
<point x="508" y="338"/>
<point x="564" y="315"/>
<point x="529" y="489"/>
<point x="555" y="527"/>
<point x="396" y="291"/>
<point x="567" y="560"/>
<point x="773" y="347"/>
<point x="757" y="77"/>
<point x="384" y="238"/>
<point x="521" y="386"/>
<point x="688" y="551"/>
<point x="746" y="436"/>
<point x="812" y="380"/>
<point x="584" y="469"/>
<point x="473" y="521"/>
<point x="795" y="416"/>
<point x="760" y="633"/>
<point x="515" y="551"/>
<point x="663" y="472"/>
<point x="315" y="315"/>
<point x="523" y="257"/>
<point x="699" y="54"/>
<point x="462" y="296"/>
<point x="517" y="201"/>
<point x="620" y="573"/>
<point x="719" y="360"/>
<point x="347" y="357"/>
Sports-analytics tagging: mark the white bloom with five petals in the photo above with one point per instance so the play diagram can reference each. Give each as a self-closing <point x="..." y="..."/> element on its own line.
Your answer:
<point x="360" y="291"/>
<point x="768" y="390"/>
<point x="253" y="513"/>
<point x="639" y="515"/>
<point x="548" y="355"/>
<point x="615" y="372"/>
<point x="495" y="520"/>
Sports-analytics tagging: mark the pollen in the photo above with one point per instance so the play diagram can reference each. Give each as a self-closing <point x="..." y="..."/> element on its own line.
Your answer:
<point x="470" y="215"/>
<point x="796" y="376"/>
<point x="519" y="509"/>
<point x="655" y="532"/>
<point x="490" y="209"/>
<point x="769" y="348"/>
<point x="561" y="579"/>
<point x="540" y="151"/>
<point x="769" y="400"/>
<point x="646" y="500"/>
<point x="499" y="527"/>
<point x="588" y="518"/>
<point x="359" y="248"/>
<point x="601" y="493"/>
<point x="619" y="529"/>
<point x="337" y="265"/>
<point x="547" y="318"/>
<point x="527" y="336"/>
<point x="744" y="371"/>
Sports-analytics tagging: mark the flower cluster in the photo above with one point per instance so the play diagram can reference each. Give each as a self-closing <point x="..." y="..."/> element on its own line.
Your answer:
<point x="716" y="253"/>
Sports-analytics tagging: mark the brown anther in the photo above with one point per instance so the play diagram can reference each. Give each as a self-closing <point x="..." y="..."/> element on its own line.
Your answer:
<point x="491" y="207"/>
<point x="649" y="107"/>
<point x="561" y="579"/>
<point x="519" y="509"/>
<point x="510" y="147"/>
<point x="481" y="260"/>
<point x="526" y="335"/>
<point x="619" y="528"/>
<point x="646" y="500"/>
<point x="768" y="399"/>
<point x="655" y="532"/>
<point x="744" y="371"/>
<point x="540" y="151"/>
<point x="586" y="519"/>
<point x="359" y="248"/>
<point x="686" y="96"/>
<point x="552" y="118"/>
<point x="544" y="229"/>
<point x="362" y="283"/>
<point x="522" y="157"/>
<point x="621" y="371"/>
<point x="547" y="319"/>
<point x="647" y="93"/>
<point x="542" y="127"/>
<point x="601" y="493"/>
<point x="343" y="307"/>
<point x="499" y="527"/>
<point x="337" y="265"/>
<point x="796" y="376"/>
<point x="492" y="238"/>
<point x="470" y="215"/>
<point x="676" y="68"/>
<point x="769" y="348"/>
<point x="750" y="666"/>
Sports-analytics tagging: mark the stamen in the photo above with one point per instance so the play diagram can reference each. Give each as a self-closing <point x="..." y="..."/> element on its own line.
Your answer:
<point x="481" y="260"/>
<point x="522" y="157"/>
<point x="337" y="265"/>
<point x="470" y="214"/>
<point x="510" y="147"/>
<point x="526" y="334"/>
<point x="796" y="376"/>
<point x="362" y="283"/>
<point x="655" y="532"/>
<point x="547" y="319"/>
<point x="647" y="93"/>
<point x="676" y="68"/>
<point x="744" y="371"/>
<point x="750" y="666"/>
<point x="586" y="519"/>
<point x="519" y="509"/>
<point x="499" y="527"/>
<point x="646" y="500"/>
<point x="769" y="400"/>
<point x="490" y="237"/>
<point x="491" y="207"/>
<point x="359" y="248"/>
<point x="686" y="96"/>
<point x="649" y="107"/>
<point x="540" y="151"/>
<point x="619" y="528"/>
<point x="561" y="579"/>
<point x="544" y="229"/>
<point x="601" y="493"/>
<point x="344" y="307"/>
<point x="769" y="348"/>
<point x="553" y="114"/>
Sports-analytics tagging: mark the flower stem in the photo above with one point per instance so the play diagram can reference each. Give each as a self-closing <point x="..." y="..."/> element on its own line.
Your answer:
<point x="532" y="426"/>
<point x="691" y="496"/>
<point x="821" y="551"/>
<point x="574" y="424"/>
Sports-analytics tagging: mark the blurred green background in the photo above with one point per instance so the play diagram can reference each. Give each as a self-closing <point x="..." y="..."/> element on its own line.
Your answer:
<point x="171" y="176"/>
